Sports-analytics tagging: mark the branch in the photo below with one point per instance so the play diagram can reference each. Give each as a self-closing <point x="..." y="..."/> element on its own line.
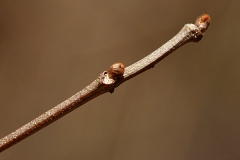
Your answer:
<point x="108" y="80"/>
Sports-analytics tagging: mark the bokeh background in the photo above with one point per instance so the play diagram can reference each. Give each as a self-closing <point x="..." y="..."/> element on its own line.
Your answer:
<point x="187" y="107"/>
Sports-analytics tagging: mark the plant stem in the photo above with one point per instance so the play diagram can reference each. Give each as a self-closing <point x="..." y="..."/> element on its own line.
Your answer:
<point x="107" y="81"/>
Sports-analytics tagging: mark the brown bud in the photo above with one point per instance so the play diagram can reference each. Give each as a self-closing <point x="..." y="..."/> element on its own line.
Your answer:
<point x="116" y="70"/>
<point x="203" y="22"/>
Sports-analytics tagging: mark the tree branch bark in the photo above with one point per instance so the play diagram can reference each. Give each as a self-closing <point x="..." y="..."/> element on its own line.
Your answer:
<point x="108" y="80"/>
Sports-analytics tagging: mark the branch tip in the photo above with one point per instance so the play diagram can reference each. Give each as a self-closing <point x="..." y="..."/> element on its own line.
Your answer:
<point x="203" y="22"/>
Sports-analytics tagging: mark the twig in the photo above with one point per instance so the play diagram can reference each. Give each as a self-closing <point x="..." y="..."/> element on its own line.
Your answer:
<point x="108" y="80"/>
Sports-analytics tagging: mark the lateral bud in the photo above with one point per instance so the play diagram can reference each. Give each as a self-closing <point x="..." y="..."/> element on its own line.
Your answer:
<point x="116" y="71"/>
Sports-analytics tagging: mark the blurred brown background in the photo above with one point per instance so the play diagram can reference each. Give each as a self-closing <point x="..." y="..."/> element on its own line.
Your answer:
<point x="187" y="107"/>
